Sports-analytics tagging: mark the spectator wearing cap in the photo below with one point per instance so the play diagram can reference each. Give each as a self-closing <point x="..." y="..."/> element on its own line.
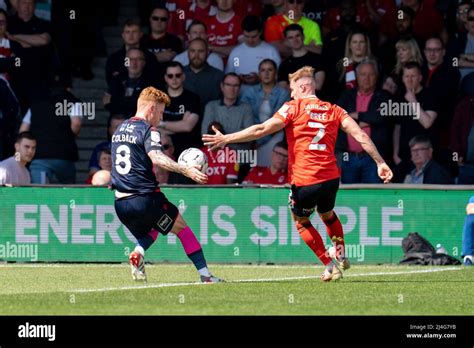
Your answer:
<point x="245" y="58"/>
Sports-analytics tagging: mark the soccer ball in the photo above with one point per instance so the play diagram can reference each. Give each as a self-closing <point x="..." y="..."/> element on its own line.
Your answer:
<point x="193" y="156"/>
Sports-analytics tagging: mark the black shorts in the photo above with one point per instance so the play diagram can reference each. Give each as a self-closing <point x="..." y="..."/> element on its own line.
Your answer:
<point x="303" y="199"/>
<point x="141" y="213"/>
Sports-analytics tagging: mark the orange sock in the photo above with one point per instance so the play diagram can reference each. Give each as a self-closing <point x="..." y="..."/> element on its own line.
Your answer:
<point x="335" y="232"/>
<point x="312" y="238"/>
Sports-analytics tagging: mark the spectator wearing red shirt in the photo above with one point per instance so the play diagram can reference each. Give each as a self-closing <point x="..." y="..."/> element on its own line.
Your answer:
<point x="224" y="29"/>
<point x="220" y="170"/>
<point x="276" y="174"/>
<point x="248" y="8"/>
<point x="200" y="10"/>
<point x="177" y="10"/>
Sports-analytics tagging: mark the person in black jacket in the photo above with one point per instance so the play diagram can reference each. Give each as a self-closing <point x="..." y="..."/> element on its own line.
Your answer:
<point x="363" y="105"/>
<point x="427" y="170"/>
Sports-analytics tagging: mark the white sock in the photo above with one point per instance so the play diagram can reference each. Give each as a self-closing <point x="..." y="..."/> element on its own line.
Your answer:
<point x="204" y="272"/>
<point x="140" y="250"/>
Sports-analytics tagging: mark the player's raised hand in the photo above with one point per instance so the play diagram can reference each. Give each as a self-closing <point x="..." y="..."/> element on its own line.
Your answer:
<point x="215" y="141"/>
<point x="193" y="172"/>
<point x="384" y="172"/>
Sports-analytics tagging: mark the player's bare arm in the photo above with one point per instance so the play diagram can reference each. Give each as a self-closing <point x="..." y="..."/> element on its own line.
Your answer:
<point x="161" y="160"/>
<point x="257" y="131"/>
<point x="352" y="128"/>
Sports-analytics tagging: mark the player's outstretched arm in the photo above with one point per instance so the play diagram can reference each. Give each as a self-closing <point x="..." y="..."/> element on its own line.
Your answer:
<point x="257" y="131"/>
<point x="161" y="160"/>
<point x="350" y="126"/>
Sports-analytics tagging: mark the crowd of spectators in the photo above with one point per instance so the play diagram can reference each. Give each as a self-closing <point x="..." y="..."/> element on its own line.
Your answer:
<point x="403" y="70"/>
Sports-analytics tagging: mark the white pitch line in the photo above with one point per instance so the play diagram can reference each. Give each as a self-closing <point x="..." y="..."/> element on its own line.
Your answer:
<point x="257" y="280"/>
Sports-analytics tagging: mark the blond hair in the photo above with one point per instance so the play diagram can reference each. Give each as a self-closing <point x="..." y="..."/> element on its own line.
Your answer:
<point x="415" y="53"/>
<point x="154" y="95"/>
<point x="305" y="71"/>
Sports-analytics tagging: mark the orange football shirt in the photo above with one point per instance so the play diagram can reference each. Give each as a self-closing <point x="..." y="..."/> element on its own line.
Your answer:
<point x="311" y="131"/>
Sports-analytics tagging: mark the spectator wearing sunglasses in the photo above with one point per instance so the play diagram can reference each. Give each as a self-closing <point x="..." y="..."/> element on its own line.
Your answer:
<point x="275" y="26"/>
<point x="163" y="44"/>
<point x="181" y="119"/>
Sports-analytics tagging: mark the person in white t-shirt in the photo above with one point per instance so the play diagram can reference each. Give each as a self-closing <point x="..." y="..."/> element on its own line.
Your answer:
<point x="13" y="170"/>
<point x="197" y="29"/>
<point x="245" y="58"/>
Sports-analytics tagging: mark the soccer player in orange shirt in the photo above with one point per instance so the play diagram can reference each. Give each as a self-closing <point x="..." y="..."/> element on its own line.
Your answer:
<point x="311" y="127"/>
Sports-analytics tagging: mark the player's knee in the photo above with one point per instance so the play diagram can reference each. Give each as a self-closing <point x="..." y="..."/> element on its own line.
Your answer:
<point x="329" y="215"/>
<point x="302" y="224"/>
<point x="179" y="225"/>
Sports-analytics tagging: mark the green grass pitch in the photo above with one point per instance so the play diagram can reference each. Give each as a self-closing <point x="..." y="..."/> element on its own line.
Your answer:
<point x="107" y="289"/>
